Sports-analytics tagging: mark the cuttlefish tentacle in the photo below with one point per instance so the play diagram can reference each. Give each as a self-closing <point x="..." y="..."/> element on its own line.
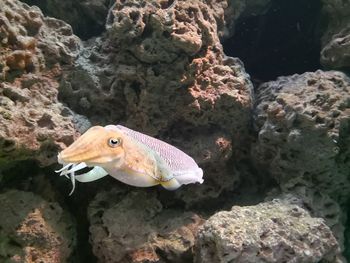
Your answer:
<point x="70" y="169"/>
<point x="129" y="156"/>
<point x="74" y="168"/>
<point x="73" y="181"/>
<point x="64" y="168"/>
<point x="95" y="174"/>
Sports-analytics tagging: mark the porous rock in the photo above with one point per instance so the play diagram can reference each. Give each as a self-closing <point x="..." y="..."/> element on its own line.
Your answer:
<point x="303" y="124"/>
<point x="34" y="230"/>
<point x="317" y="203"/>
<point x="160" y="69"/>
<point x="31" y="120"/>
<point x="274" y="231"/>
<point x="33" y="124"/>
<point x="336" y="53"/>
<point x="335" y="44"/>
<point x="136" y="227"/>
<point x="31" y="42"/>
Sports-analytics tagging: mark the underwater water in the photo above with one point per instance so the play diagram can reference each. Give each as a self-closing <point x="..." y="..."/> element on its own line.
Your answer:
<point x="174" y="131"/>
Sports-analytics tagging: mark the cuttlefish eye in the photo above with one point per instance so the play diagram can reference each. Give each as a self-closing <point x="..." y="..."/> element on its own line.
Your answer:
<point x="114" y="142"/>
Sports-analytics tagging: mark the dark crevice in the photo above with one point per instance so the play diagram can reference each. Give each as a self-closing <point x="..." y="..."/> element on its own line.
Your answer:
<point x="86" y="21"/>
<point x="283" y="41"/>
<point x="346" y="252"/>
<point x="14" y="175"/>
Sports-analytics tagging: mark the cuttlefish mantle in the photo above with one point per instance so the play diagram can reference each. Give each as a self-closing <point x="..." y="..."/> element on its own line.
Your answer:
<point x="130" y="157"/>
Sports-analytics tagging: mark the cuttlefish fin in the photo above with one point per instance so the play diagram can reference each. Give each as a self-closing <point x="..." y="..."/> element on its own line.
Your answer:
<point x="181" y="178"/>
<point x="189" y="177"/>
<point x="95" y="174"/>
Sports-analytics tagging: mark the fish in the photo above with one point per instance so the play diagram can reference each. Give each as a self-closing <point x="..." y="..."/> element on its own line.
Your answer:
<point x="129" y="156"/>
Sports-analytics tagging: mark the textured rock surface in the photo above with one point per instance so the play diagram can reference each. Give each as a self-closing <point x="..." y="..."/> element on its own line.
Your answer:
<point x="336" y="13"/>
<point x="33" y="230"/>
<point x="33" y="47"/>
<point x="335" y="52"/>
<point x="304" y="131"/>
<point x="318" y="204"/>
<point x="275" y="231"/>
<point x="31" y="42"/>
<point x="33" y="123"/>
<point x="87" y="17"/>
<point x="136" y="227"/>
<point x="160" y="69"/>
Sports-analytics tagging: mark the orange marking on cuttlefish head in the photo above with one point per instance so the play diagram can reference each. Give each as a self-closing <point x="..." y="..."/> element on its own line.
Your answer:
<point x="97" y="146"/>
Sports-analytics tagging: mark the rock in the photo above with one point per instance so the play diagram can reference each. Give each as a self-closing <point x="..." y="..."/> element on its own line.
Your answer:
<point x="33" y="230"/>
<point x="336" y="53"/>
<point x="31" y="42"/>
<point x="318" y="204"/>
<point x="303" y="123"/>
<point x="209" y="148"/>
<point x="335" y="42"/>
<point x="336" y="13"/>
<point x="160" y="69"/>
<point x="87" y="17"/>
<point x="275" y="231"/>
<point x="32" y="126"/>
<point x="33" y="50"/>
<point x="136" y="227"/>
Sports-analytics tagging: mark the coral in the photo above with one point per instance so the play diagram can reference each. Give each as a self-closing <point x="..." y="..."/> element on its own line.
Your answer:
<point x="33" y="230"/>
<point x="275" y="231"/>
<point x="135" y="227"/>
<point x="303" y="124"/>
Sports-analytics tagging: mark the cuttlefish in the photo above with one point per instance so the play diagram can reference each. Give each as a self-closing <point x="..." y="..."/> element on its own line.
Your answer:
<point x="130" y="157"/>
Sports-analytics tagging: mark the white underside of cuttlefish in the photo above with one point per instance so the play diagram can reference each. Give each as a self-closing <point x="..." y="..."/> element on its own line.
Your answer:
<point x="130" y="157"/>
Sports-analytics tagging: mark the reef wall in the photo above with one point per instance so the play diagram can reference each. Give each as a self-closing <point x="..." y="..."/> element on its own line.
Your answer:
<point x="275" y="152"/>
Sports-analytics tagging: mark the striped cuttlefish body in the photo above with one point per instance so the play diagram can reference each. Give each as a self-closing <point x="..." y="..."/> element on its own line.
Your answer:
<point x="129" y="156"/>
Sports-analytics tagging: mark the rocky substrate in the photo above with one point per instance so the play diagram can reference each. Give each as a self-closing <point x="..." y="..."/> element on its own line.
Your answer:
<point x="34" y="230"/>
<point x="160" y="68"/>
<point x="33" y="49"/>
<point x="275" y="231"/>
<point x="137" y="227"/>
<point x="275" y="158"/>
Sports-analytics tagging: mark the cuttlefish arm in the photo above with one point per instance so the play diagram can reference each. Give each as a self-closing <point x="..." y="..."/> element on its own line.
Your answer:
<point x="95" y="174"/>
<point x="129" y="156"/>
